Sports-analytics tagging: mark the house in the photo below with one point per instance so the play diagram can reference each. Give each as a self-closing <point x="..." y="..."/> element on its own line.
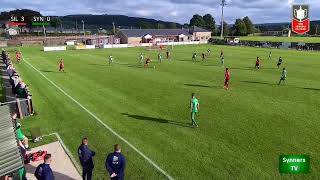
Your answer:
<point x="136" y="36"/>
<point x="102" y="40"/>
<point x="199" y="34"/>
<point x="11" y="32"/>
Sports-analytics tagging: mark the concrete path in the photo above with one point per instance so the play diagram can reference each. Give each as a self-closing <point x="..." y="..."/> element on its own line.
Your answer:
<point x="62" y="166"/>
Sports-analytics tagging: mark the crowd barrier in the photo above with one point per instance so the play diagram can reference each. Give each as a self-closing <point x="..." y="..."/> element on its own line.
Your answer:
<point x="183" y="43"/>
<point x="70" y="43"/>
<point x="55" y="48"/>
<point x="115" y="46"/>
<point x="85" y="47"/>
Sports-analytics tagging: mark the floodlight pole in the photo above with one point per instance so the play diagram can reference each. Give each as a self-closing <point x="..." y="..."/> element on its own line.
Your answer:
<point x="44" y="33"/>
<point x="223" y="3"/>
<point x="84" y="34"/>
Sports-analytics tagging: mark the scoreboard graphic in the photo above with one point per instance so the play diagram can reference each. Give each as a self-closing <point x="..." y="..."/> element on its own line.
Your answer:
<point x="35" y="21"/>
<point x="300" y="19"/>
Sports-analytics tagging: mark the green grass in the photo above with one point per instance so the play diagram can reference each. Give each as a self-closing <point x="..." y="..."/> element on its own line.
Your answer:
<point x="242" y="131"/>
<point x="281" y="39"/>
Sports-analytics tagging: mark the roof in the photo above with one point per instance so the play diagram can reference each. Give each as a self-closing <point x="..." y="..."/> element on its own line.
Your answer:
<point x="154" y="32"/>
<point x="10" y="156"/>
<point x="198" y="29"/>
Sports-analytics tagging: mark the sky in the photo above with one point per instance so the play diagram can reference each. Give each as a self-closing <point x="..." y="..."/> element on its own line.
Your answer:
<point x="181" y="11"/>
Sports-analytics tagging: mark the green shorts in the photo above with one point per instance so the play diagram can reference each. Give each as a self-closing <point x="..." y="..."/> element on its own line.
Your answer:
<point x="193" y="114"/>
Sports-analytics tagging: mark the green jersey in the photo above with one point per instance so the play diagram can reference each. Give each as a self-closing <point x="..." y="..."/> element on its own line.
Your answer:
<point x="19" y="134"/>
<point x="194" y="105"/>
<point x="284" y="74"/>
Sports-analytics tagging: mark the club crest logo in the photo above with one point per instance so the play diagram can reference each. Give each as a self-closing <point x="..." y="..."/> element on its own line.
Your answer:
<point x="300" y="19"/>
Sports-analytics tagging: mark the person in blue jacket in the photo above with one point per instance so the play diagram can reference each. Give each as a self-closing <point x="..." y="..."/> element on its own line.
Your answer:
<point x="43" y="171"/>
<point x="116" y="163"/>
<point x="85" y="156"/>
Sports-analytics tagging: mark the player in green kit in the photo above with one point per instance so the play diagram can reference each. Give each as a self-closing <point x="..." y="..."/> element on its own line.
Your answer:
<point x="195" y="106"/>
<point x="270" y="55"/>
<point x="194" y="57"/>
<point x="222" y="61"/>
<point x="283" y="76"/>
<point x="160" y="58"/>
<point x="110" y="59"/>
<point x="141" y="58"/>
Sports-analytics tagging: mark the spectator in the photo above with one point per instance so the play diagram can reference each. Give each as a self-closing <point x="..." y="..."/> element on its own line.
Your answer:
<point x="115" y="164"/>
<point x="21" y="137"/>
<point x="85" y="156"/>
<point x="43" y="171"/>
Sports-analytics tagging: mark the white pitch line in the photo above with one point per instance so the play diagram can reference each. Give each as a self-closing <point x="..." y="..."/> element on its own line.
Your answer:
<point x="66" y="150"/>
<point x="102" y="123"/>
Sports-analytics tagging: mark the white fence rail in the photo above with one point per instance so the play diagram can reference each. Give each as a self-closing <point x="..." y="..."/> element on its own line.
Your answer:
<point x="55" y="48"/>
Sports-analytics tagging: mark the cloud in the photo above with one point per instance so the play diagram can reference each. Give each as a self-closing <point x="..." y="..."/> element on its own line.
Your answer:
<point x="260" y="11"/>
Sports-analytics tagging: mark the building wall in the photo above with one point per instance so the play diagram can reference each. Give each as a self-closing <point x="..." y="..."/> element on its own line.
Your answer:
<point x="123" y="38"/>
<point x="202" y="36"/>
<point x="134" y="40"/>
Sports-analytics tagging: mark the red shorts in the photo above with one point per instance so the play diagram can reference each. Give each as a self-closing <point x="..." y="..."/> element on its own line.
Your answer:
<point x="226" y="81"/>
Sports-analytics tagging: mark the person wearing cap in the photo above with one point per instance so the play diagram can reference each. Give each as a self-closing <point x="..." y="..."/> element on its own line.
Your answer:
<point x="115" y="164"/>
<point x="85" y="156"/>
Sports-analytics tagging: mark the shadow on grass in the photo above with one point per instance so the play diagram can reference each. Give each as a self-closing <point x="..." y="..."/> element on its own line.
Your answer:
<point x="312" y="89"/>
<point x="197" y="85"/>
<point x="98" y="64"/>
<point x="256" y="82"/>
<point x="48" y="71"/>
<point x="136" y="65"/>
<point x="242" y="68"/>
<point x="212" y="65"/>
<point x="158" y="120"/>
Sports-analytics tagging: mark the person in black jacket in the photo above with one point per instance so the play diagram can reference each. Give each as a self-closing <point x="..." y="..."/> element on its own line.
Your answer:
<point x="115" y="164"/>
<point x="85" y="156"/>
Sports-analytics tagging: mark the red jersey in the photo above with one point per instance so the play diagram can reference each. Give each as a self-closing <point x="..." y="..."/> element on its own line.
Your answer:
<point x="61" y="64"/>
<point x="258" y="61"/>
<point x="227" y="75"/>
<point x="18" y="55"/>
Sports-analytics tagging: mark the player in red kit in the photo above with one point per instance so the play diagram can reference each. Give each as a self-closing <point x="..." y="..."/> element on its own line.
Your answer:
<point x="61" y="65"/>
<point x="18" y="56"/>
<point x="257" y="63"/>
<point x="226" y="79"/>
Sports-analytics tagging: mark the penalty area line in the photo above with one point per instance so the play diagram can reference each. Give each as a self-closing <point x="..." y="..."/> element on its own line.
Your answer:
<point x="101" y="122"/>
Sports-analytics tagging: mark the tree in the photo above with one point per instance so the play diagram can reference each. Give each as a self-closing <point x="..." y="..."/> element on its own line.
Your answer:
<point x="240" y="28"/>
<point x="161" y="25"/>
<point x="210" y="23"/>
<point x="172" y="25"/>
<point x="197" y="20"/>
<point x="249" y="25"/>
<point x="145" y="25"/>
<point x="56" y="22"/>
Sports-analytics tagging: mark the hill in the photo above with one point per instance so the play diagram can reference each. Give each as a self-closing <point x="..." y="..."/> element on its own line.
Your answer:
<point x="96" y="21"/>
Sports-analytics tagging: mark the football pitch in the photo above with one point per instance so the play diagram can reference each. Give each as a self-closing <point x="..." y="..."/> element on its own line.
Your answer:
<point x="241" y="131"/>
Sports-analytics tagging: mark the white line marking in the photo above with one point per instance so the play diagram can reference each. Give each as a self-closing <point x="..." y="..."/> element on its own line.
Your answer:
<point x="102" y="123"/>
<point x="74" y="162"/>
